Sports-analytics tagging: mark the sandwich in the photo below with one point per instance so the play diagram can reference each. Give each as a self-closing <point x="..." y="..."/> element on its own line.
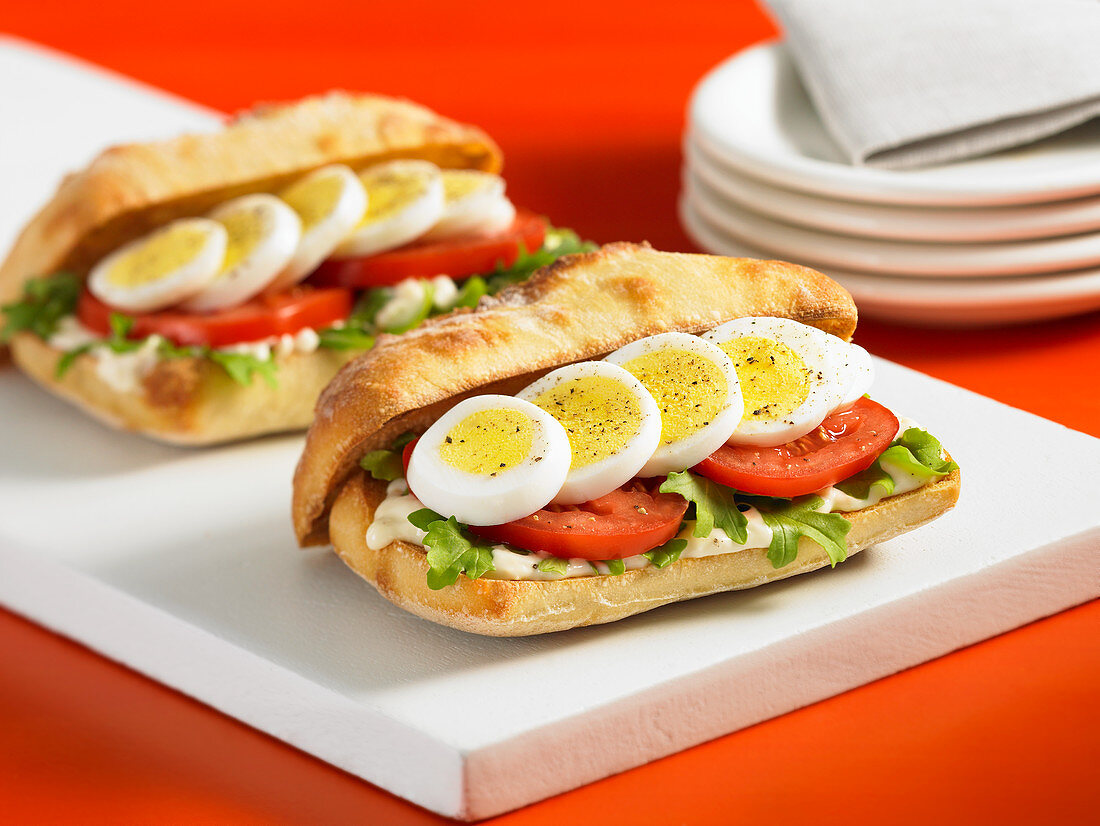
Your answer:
<point x="206" y="288"/>
<point x="626" y="429"/>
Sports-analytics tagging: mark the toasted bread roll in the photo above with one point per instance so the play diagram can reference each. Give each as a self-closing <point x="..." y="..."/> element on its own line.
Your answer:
<point x="188" y="401"/>
<point x="506" y="608"/>
<point x="581" y="307"/>
<point x="128" y="190"/>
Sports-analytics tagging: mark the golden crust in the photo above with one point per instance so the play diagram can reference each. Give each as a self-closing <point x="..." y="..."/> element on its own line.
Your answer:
<point x="506" y="608"/>
<point x="128" y="190"/>
<point x="189" y="401"/>
<point x="581" y="307"/>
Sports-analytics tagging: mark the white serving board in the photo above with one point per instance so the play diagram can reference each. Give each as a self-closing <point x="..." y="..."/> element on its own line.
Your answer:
<point x="181" y="564"/>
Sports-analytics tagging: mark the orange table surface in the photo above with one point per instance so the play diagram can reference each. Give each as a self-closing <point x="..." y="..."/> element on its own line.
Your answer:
<point x="588" y="103"/>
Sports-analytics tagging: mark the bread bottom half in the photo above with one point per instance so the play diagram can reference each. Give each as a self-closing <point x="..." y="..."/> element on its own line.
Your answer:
<point x="188" y="401"/>
<point x="506" y="608"/>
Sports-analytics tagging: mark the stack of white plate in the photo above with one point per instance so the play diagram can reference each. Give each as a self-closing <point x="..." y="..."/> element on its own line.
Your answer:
<point x="1006" y="238"/>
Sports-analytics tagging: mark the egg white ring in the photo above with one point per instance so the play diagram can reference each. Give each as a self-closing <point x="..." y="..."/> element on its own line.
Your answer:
<point x="484" y="211"/>
<point x="859" y="371"/>
<point x="185" y="281"/>
<point x="318" y="242"/>
<point x="600" y="478"/>
<point x="408" y="224"/>
<point x="281" y="231"/>
<point x="482" y="500"/>
<point x="822" y="359"/>
<point x="690" y="451"/>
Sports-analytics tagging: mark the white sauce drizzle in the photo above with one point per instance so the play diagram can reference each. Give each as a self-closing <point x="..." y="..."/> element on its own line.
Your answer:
<point x="123" y="372"/>
<point x="408" y="298"/>
<point x="391" y="523"/>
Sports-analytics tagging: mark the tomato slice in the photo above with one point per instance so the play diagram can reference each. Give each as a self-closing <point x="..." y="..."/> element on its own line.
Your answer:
<point x="456" y="257"/>
<point x="260" y="318"/>
<point x="631" y="520"/>
<point x="844" y="444"/>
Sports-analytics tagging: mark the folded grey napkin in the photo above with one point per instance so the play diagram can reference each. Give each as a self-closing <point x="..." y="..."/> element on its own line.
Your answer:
<point x="906" y="83"/>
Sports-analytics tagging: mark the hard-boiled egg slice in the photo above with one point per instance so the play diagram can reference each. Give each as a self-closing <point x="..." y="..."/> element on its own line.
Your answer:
<point x="162" y="268"/>
<point x="788" y="374"/>
<point x="697" y="393"/>
<point x="489" y="460"/>
<point x="475" y="205"/>
<point x="263" y="233"/>
<point x="612" y="421"/>
<point x="330" y="201"/>
<point x="404" y="200"/>
<point x="855" y="372"/>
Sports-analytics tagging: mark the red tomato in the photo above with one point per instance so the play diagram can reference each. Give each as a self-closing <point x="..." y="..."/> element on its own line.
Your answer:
<point x="263" y="316"/>
<point x="844" y="444"/>
<point x="631" y="520"/>
<point x="456" y="257"/>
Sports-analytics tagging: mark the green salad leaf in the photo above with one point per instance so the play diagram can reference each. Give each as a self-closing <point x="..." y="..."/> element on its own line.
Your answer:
<point x="554" y="565"/>
<point x="241" y="367"/>
<point x="424" y="517"/>
<point x="916" y="452"/>
<point x="121" y="325"/>
<point x="419" y="314"/>
<point x="558" y="242"/>
<point x="790" y="520"/>
<point x="919" y="452"/>
<point x="451" y="549"/>
<point x="68" y="359"/>
<point x="383" y="464"/>
<point x="471" y="292"/>
<point x="46" y="300"/>
<point x="345" y="338"/>
<point x="615" y="567"/>
<point x="861" y="485"/>
<point x="666" y="554"/>
<point x="714" y="505"/>
<point x="403" y="440"/>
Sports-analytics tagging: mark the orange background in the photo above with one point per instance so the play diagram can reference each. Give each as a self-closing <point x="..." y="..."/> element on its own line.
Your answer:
<point x="588" y="104"/>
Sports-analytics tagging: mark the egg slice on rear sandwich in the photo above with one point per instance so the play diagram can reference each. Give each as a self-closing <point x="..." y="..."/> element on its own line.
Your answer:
<point x="404" y="200"/>
<point x="489" y="460"/>
<point x="612" y="422"/>
<point x="696" y="390"/>
<point x="162" y="268"/>
<point x="262" y="236"/>
<point x="475" y="204"/>
<point x="330" y="201"/>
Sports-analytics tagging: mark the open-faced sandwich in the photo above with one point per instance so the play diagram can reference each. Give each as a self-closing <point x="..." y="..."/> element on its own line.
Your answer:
<point x="626" y="429"/>
<point x="206" y="288"/>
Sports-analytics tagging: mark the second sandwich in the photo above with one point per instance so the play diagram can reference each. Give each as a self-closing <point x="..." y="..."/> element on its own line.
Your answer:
<point x="628" y="428"/>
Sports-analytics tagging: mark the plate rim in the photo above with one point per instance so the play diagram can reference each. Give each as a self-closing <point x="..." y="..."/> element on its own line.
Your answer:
<point x="873" y="255"/>
<point x="868" y="184"/>
<point x="1052" y="219"/>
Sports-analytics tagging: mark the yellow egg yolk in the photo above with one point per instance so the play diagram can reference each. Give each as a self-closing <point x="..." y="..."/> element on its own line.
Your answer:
<point x="488" y="442"/>
<point x="600" y="415"/>
<point x="161" y="254"/>
<point x="690" y="389"/>
<point x="458" y="183"/>
<point x="314" y="198"/>
<point x="774" y="378"/>
<point x="389" y="192"/>
<point x="245" y="229"/>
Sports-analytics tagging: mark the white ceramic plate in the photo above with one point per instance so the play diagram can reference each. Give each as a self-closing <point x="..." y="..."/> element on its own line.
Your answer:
<point x="972" y="302"/>
<point x="897" y="258"/>
<point x="753" y="113"/>
<point x="906" y="223"/>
